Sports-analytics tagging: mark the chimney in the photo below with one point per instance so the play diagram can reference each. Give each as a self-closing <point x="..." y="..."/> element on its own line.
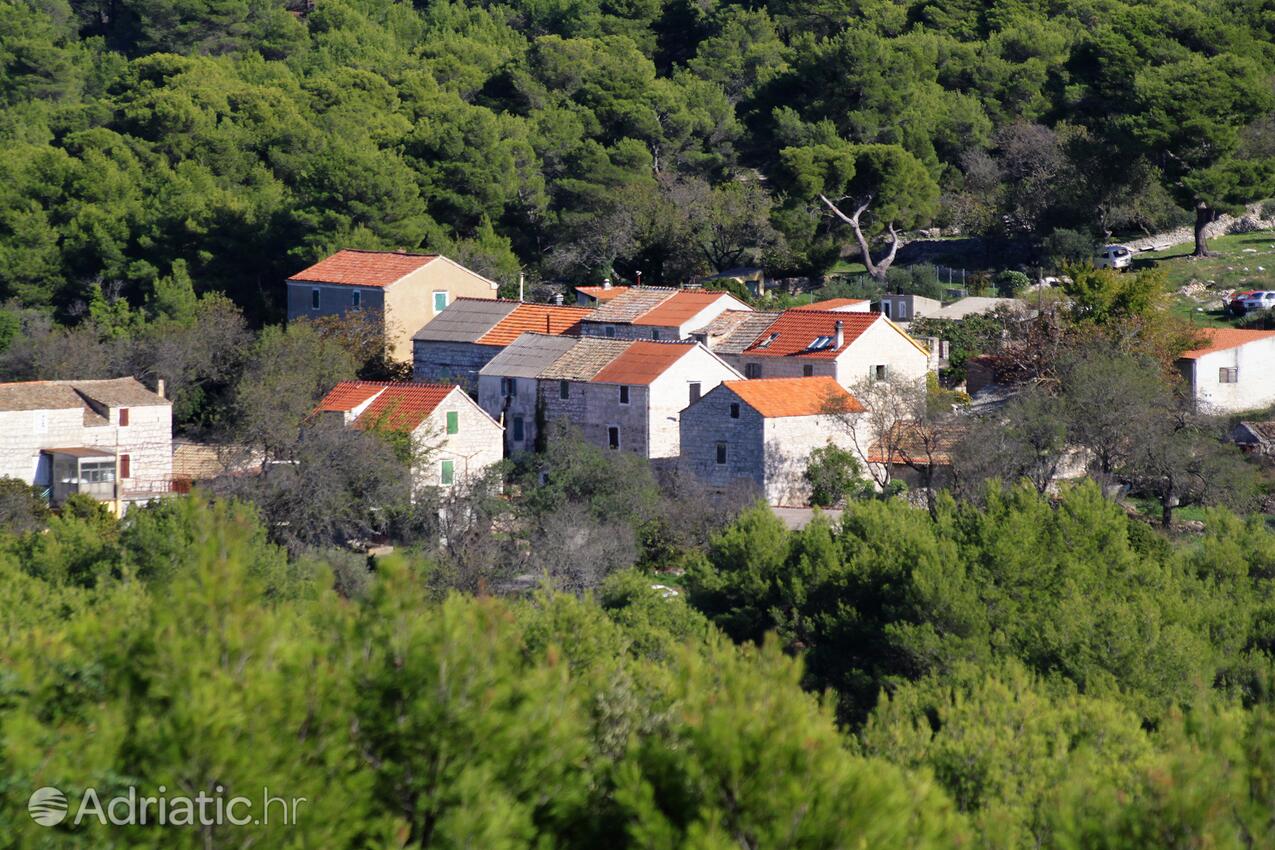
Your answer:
<point x="637" y="278"/>
<point x="159" y="388"/>
<point x="557" y="299"/>
<point x="841" y="333"/>
<point x="606" y="283"/>
<point x="522" y="281"/>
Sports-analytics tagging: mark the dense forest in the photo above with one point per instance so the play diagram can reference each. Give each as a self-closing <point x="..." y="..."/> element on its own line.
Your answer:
<point x="1010" y="674"/>
<point x="224" y="144"/>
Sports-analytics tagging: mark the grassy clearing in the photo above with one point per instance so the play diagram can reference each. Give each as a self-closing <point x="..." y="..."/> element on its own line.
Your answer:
<point x="1243" y="261"/>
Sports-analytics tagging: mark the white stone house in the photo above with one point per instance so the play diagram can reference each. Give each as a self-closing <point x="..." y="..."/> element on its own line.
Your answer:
<point x="625" y="395"/>
<point x="1233" y="371"/>
<point x="763" y="431"/>
<point x="658" y="313"/>
<point x="848" y="346"/>
<point x="456" y="440"/>
<point x="470" y="332"/>
<point x="109" y="439"/>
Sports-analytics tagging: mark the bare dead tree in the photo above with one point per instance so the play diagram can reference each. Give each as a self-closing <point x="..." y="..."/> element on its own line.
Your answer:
<point x="876" y="268"/>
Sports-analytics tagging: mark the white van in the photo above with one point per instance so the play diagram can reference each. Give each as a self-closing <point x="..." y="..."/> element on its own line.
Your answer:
<point x="1114" y="257"/>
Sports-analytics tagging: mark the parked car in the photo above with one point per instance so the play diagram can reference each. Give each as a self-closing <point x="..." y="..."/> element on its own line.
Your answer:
<point x="1114" y="257"/>
<point x="1264" y="300"/>
<point x="1234" y="302"/>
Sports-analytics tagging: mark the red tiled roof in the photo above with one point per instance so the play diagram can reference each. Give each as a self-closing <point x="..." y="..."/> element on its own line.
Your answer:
<point x="535" y="318"/>
<point x="913" y="443"/>
<point x="832" y="304"/>
<point x="350" y="267"/>
<point x="602" y="293"/>
<point x="795" y="330"/>
<point x="400" y="405"/>
<point x="683" y="306"/>
<point x="642" y="362"/>
<point x="1220" y="339"/>
<point x="774" y="397"/>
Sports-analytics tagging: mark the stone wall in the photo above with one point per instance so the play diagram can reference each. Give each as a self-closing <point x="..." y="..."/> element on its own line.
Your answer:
<point x="706" y="423"/>
<point x="475" y="447"/>
<point x="450" y="362"/>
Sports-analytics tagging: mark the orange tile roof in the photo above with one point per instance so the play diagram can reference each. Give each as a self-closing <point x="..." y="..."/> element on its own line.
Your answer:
<point x="1220" y="339"/>
<point x="400" y="405"/>
<point x="682" y="307"/>
<point x="350" y="267"/>
<point x="912" y="443"/>
<point x="795" y="330"/>
<point x="774" y="397"/>
<point x="602" y="293"/>
<point x="535" y="318"/>
<point x="832" y="304"/>
<point x="642" y="362"/>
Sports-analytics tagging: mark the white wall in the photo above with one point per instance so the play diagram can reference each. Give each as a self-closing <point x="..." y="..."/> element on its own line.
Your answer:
<point x="881" y="344"/>
<point x="670" y="395"/>
<point x="1256" y="385"/>
<point x="476" y="447"/>
<point x="789" y="442"/>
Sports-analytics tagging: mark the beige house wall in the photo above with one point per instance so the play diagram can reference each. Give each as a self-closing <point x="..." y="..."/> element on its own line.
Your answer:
<point x="409" y="302"/>
<point x="477" y="446"/>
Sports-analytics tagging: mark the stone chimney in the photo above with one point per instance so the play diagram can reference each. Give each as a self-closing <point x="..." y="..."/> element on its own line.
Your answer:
<point x="159" y="388"/>
<point x="557" y="299"/>
<point x="606" y="283"/>
<point x="840" y="335"/>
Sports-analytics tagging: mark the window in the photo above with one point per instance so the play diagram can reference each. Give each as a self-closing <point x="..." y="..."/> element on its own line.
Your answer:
<point x="453" y="422"/>
<point x="609" y="330"/>
<point x="440" y="301"/>
<point x="624" y="394"/>
<point x="1228" y="375"/>
<point x="97" y="472"/>
<point x="126" y="466"/>
<point x="807" y="370"/>
<point x="314" y="298"/>
<point x="765" y="343"/>
<point x="734" y="410"/>
<point x="695" y="391"/>
<point x="878" y="373"/>
<point x="123" y="416"/>
<point x="655" y="334"/>
<point x="446" y="472"/>
<point x="564" y="389"/>
<point x="752" y="370"/>
<point x="613" y="437"/>
<point x="519" y="430"/>
<point x="902" y="311"/>
<point x="721" y="453"/>
<point x="356" y="298"/>
<point x="509" y="387"/>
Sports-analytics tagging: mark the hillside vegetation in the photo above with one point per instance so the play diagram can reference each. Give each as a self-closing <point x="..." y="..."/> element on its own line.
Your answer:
<point x="230" y="142"/>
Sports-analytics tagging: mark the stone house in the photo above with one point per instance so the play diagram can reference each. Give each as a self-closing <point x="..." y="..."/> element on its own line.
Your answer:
<point x="903" y="307"/>
<point x="658" y="313"/>
<point x="850" y="347"/>
<point x="592" y="296"/>
<point x="763" y="431"/>
<point x="625" y="395"/>
<point x="1255" y="437"/>
<point x="108" y="439"/>
<point x="406" y="290"/>
<point x="1232" y="371"/>
<point x="457" y="441"/>
<point x="456" y="345"/>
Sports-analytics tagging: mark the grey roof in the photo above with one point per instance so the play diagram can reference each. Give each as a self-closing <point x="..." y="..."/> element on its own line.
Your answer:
<point x="586" y="358"/>
<point x="735" y="330"/>
<point x="1263" y="431"/>
<point x="528" y="356"/>
<point x="972" y="306"/>
<point x="630" y="305"/>
<point x="63" y="395"/>
<point x="465" y="320"/>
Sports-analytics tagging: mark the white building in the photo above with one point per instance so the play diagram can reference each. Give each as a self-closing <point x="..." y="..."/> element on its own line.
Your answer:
<point x="109" y="439"/>
<point x="848" y="346"/>
<point x="625" y="395"/>
<point x="1233" y="371"/>
<point x="456" y="440"/>
<point x="764" y="431"/>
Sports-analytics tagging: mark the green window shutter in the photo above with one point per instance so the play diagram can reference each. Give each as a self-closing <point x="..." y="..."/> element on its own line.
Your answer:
<point x="448" y="472"/>
<point x="453" y="422"/>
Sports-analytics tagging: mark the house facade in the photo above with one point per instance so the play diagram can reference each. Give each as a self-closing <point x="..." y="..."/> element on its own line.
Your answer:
<point x="657" y="313"/>
<point x="901" y="307"/>
<point x="407" y="290"/>
<point x="848" y="346"/>
<point x="108" y="439"/>
<point x="625" y="395"/>
<point x="763" y="431"/>
<point x="456" y="441"/>
<point x="461" y="340"/>
<point x="1233" y="371"/>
